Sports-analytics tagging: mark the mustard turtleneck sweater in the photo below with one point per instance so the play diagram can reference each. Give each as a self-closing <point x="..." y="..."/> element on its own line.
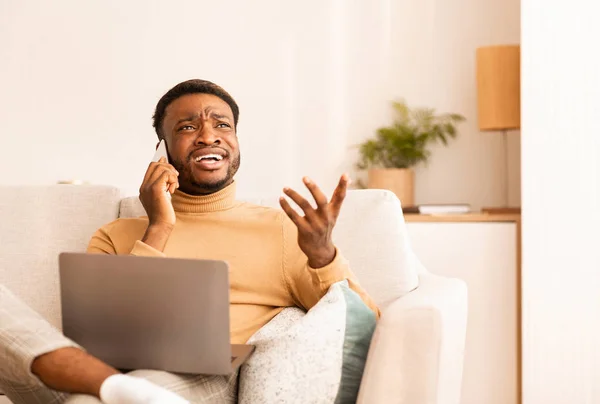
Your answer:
<point x="268" y="271"/>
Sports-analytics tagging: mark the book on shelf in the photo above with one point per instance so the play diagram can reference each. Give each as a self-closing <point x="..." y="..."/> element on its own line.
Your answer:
<point x="438" y="209"/>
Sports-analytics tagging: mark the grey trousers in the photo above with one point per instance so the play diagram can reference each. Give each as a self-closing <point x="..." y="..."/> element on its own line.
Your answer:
<point x="25" y="335"/>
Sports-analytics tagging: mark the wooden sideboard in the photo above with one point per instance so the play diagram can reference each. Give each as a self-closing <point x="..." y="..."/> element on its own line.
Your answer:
<point x="484" y="251"/>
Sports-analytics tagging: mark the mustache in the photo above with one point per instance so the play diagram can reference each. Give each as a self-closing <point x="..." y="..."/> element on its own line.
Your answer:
<point x="189" y="158"/>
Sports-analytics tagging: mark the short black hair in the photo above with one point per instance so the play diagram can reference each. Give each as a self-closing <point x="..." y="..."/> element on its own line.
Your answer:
<point x="191" y="87"/>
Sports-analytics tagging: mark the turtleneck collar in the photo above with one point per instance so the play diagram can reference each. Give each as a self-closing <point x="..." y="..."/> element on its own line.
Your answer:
<point x="220" y="200"/>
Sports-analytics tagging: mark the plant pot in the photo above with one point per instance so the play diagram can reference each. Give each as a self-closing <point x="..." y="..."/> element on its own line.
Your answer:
<point x="401" y="181"/>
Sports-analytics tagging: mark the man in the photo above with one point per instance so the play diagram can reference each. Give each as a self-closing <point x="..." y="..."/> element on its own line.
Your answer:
<point x="277" y="259"/>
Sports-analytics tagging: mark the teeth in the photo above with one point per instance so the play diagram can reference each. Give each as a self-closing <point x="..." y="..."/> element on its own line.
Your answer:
<point x="218" y="157"/>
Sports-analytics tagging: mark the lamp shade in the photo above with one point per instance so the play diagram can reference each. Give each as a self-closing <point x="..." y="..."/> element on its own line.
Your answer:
<point x="499" y="87"/>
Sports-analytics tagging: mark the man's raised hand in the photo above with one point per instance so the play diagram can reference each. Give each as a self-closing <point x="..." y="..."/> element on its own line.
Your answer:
<point x="316" y="226"/>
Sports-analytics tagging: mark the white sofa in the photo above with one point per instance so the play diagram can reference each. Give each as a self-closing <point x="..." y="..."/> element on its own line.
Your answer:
<point x="416" y="355"/>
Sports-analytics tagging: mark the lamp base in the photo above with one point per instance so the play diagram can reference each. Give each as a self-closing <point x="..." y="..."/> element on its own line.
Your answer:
<point x="501" y="210"/>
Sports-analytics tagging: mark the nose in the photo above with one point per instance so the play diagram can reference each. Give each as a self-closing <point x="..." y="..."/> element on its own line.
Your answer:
<point x="207" y="136"/>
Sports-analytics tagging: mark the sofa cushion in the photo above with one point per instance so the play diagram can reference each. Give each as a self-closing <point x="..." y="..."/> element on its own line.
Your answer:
<point x="371" y="234"/>
<point x="40" y="222"/>
<point x="322" y="354"/>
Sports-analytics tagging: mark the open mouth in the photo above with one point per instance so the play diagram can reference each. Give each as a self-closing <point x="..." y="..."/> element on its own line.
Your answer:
<point x="209" y="158"/>
<point x="209" y="161"/>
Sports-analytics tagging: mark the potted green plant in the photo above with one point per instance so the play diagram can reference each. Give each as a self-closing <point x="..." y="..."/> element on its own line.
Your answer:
<point x="391" y="155"/>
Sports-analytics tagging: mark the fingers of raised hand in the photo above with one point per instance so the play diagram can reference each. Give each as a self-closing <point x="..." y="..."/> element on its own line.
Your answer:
<point x="339" y="195"/>
<point x="298" y="220"/>
<point x="316" y="192"/>
<point x="314" y="221"/>
<point x="300" y="201"/>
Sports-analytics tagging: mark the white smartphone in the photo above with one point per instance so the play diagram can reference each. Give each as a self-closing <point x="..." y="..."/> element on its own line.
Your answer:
<point x="161" y="151"/>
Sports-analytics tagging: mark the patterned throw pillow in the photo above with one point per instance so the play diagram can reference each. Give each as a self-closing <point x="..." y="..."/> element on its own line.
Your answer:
<point x="317" y="357"/>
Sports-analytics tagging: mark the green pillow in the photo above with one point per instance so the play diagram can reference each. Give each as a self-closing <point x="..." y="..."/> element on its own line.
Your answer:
<point x="360" y="325"/>
<point x="317" y="357"/>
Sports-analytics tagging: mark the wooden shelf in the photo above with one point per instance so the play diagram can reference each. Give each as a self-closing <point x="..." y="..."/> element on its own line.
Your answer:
<point x="462" y="218"/>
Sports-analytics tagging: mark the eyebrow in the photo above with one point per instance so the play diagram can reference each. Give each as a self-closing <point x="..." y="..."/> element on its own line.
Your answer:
<point x="188" y="118"/>
<point x="219" y="116"/>
<point x="199" y="114"/>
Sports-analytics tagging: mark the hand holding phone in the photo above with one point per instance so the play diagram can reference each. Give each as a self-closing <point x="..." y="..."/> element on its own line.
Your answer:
<point x="160" y="181"/>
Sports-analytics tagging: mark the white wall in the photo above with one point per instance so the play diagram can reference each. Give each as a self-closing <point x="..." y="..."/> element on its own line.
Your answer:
<point x="434" y="65"/>
<point x="561" y="202"/>
<point x="80" y="80"/>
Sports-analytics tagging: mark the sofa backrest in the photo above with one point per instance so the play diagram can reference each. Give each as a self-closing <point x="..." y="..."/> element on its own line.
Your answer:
<point x="38" y="223"/>
<point x="371" y="234"/>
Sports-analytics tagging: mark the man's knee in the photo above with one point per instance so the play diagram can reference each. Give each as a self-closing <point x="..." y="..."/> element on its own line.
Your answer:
<point x="24" y="336"/>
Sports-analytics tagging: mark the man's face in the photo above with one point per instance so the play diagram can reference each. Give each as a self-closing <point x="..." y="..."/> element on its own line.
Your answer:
<point x="202" y="143"/>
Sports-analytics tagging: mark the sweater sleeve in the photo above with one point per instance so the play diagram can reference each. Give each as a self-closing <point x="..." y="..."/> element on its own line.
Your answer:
<point x="102" y="243"/>
<point x="308" y="285"/>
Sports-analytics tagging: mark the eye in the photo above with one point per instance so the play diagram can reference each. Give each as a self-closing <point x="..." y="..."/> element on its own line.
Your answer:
<point x="223" y="125"/>
<point x="186" y="127"/>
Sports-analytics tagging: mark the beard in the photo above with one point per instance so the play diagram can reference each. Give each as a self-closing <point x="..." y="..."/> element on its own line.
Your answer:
<point x="193" y="186"/>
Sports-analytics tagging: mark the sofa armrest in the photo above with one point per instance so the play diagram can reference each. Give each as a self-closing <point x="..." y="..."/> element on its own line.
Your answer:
<point x="417" y="350"/>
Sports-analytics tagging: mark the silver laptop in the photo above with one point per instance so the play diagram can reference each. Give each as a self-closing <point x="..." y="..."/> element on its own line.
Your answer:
<point x="150" y="312"/>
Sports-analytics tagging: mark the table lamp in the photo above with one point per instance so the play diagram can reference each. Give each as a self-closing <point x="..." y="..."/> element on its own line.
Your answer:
<point x="499" y="100"/>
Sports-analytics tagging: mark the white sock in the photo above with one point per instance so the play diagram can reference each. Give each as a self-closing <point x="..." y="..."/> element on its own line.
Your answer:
<point x="123" y="389"/>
